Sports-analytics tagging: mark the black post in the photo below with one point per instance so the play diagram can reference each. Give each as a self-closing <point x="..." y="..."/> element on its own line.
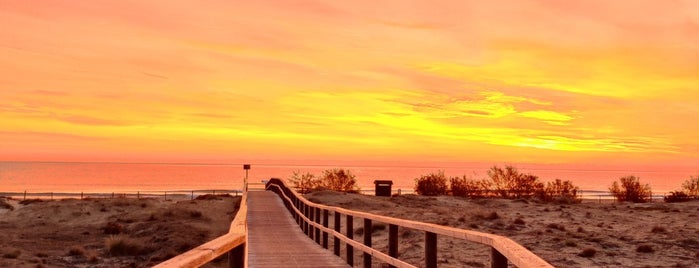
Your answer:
<point x="430" y="250"/>
<point x="497" y="260"/>
<point x="392" y="242"/>
<point x="336" y="240"/>
<point x="367" y="242"/>
<point x="350" y="235"/>
<point x="325" y="224"/>
<point x="236" y="257"/>
<point x="317" y="220"/>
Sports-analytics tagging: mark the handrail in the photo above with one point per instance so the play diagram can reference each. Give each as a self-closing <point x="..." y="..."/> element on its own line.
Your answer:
<point x="234" y="242"/>
<point x="308" y="215"/>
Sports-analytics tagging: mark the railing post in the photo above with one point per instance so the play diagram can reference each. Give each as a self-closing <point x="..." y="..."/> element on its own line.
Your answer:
<point x="236" y="257"/>
<point x="325" y="224"/>
<point x="430" y="250"/>
<point x="350" y="234"/>
<point x="392" y="242"/>
<point x="317" y="236"/>
<point x="311" y="217"/>
<point x="304" y="210"/>
<point x="497" y="260"/>
<point x="336" y="226"/>
<point x="367" y="242"/>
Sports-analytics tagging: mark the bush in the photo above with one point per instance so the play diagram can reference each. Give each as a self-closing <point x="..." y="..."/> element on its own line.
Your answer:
<point x="645" y="249"/>
<point x="338" y="179"/>
<point x="691" y="186"/>
<point x="588" y="253"/>
<point x="303" y="182"/>
<point x="124" y="246"/>
<point x="76" y="251"/>
<point x="431" y="184"/>
<point x="560" y="191"/>
<point x="630" y="190"/>
<point x="465" y="187"/>
<point x="676" y="196"/>
<point x="113" y="228"/>
<point x="509" y="183"/>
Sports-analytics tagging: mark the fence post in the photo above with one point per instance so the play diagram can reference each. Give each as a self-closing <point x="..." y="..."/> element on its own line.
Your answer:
<point x="392" y="242"/>
<point x="192" y="195"/>
<point x="325" y="224"/>
<point x="430" y="250"/>
<point x="497" y="260"/>
<point x="317" y="220"/>
<point x="350" y="234"/>
<point x="236" y="257"/>
<point x="81" y="195"/>
<point x="336" y="240"/>
<point x="367" y="242"/>
<point x="311" y="217"/>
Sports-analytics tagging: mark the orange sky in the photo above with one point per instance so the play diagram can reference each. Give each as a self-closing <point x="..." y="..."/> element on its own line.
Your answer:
<point x="594" y="82"/>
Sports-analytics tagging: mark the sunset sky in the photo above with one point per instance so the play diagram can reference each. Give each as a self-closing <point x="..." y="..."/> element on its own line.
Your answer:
<point x="573" y="82"/>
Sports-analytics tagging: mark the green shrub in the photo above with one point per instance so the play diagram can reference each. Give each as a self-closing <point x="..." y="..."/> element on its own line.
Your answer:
<point x="691" y="186"/>
<point x="508" y="182"/>
<point x="76" y="251"/>
<point x="560" y="191"/>
<point x="630" y="190"/>
<point x="676" y="196"/>
<point x="303" y="182"/>
<point x="465" y="187"/>
<point x="338" y="179"/>
<point x="431" y="184"/>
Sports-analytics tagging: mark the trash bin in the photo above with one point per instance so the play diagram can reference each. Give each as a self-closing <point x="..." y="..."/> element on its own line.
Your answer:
<point x="383" y="187"/>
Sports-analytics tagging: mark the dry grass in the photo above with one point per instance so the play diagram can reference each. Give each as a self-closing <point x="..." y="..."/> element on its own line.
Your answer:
<point x="5" y="205"/>
<point x="12" y="254"/>
<point x="76" y="251"/>
<point x="119" y="245"/>
<point x="588" y="253"/>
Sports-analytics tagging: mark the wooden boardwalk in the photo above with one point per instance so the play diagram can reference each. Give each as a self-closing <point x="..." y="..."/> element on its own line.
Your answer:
<point x="275" y="240"/>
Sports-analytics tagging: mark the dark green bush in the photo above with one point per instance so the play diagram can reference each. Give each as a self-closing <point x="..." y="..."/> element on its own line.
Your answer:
<point x="337" y="179"/>
<point x="676" y="196"/>
<point x="303" y="182"/>
<point x="465" y="187"/>
<point x="630" y="190"/>
<point x="431" y="184"/>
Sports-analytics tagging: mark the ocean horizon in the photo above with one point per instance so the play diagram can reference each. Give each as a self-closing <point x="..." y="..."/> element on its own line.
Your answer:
<point x="108" y="177"/>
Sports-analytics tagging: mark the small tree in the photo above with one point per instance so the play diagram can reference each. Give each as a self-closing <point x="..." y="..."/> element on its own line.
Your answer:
<point x="465" y="187"/>
<point x="630" y="190"/>
<point x="431" y="184"/>
<point x="503" y="180"/>
<point x="691" y="186"/>
<point x="303" y="182"/>
<point x="338" y="179"/>
<point x="559" y="190"/>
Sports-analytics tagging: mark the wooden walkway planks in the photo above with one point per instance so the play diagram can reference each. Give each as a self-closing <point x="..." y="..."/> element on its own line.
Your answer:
<point x="275" y="240"/>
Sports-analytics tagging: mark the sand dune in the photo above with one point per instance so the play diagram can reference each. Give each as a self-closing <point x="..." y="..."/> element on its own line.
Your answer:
<point x="75" y="233"/>
<point x="619" y="234"/>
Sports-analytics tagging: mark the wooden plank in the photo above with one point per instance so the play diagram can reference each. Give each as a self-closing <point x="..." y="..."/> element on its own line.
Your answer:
<point x="275" y="239"/>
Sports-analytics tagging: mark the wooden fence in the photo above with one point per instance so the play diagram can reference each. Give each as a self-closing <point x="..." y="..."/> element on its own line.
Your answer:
<point x="233" y="243"/>
<point x="314" y="221"/>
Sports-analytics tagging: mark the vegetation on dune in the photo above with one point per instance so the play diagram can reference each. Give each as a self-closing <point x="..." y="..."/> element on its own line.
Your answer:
<point x="337" y="179"/>
<point x="630" y="189"/>
<point x="505" y="182"/>
<point x="431" y="184"/>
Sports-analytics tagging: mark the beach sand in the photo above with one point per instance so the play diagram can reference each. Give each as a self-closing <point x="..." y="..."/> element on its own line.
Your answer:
<point x="620" y="234"/>
<point x="75" y="233"/>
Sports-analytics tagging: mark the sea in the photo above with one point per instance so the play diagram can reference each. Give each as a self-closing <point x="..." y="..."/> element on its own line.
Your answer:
<point x="70" y="178"/>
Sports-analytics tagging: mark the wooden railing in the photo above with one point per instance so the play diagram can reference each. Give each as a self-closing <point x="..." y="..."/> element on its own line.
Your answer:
<point x="233" y="243"/>
<point x="314" y="220"/>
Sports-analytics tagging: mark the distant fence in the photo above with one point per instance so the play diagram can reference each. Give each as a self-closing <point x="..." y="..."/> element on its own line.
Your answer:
<point x="314" y="219"/>
<point x="167" y="195"/>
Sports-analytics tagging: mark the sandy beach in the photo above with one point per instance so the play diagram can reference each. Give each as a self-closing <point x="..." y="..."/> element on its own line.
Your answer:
<point x="117" y="232"/>
<point x="588" y="234"/>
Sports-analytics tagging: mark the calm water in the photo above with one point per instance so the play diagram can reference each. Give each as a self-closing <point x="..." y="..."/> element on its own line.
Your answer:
<point x="128" y="177"/>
